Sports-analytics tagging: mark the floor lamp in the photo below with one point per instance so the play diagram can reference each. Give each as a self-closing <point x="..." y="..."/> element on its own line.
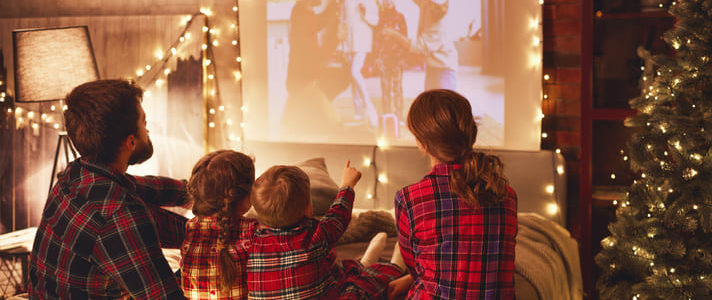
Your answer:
<point x="49" y="63"/>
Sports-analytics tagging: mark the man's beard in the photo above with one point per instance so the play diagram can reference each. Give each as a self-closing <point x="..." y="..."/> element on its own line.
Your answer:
<point x="143" y="152"/>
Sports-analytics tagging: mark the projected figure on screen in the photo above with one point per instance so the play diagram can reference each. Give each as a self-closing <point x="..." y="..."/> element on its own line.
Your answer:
<point x="308" y="58"/>
<point x="434" y="44"/>
<point x="389" y="58"/>
<point x="359" y="16"/>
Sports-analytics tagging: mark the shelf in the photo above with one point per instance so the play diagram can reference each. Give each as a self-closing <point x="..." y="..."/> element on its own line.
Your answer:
<point x="603" y="196"/>
<point x="658" y="14"/>
<point x="612" y="114"/>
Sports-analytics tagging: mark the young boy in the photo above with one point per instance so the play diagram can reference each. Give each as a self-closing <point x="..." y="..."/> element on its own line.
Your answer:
<point x="290" y="254"/>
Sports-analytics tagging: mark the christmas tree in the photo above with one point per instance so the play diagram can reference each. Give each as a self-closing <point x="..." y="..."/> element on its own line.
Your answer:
<point x="660" y="246"/>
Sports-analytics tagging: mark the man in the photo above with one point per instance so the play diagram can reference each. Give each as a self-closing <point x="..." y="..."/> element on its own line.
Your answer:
<point x="102" y="230"/>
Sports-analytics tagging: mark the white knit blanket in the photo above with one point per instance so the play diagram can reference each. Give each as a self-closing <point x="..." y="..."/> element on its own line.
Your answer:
<point x="548" y="257"/>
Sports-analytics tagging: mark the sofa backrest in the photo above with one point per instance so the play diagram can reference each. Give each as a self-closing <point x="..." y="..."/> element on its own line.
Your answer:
<point x="538" y="177"/>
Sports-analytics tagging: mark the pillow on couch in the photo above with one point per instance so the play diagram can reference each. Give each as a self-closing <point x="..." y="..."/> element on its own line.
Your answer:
<point x="323" y="188"/>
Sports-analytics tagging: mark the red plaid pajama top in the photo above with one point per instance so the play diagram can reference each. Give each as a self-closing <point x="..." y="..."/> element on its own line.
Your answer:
<point x="199" y="263"/>
<point x="454" y="251"/>
<point x="101" y="234"/>
<point x="299" y="263"/>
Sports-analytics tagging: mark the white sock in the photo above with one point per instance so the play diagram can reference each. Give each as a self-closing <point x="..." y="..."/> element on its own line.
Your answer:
<point x="397" y="258"/>
<point x="375" y="247"/>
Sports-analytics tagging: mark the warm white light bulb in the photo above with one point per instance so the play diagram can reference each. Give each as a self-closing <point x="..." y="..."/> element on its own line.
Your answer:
<point x="382" y="178"/>
<point x="549" y="188"/>
<point x="552" y="209"/>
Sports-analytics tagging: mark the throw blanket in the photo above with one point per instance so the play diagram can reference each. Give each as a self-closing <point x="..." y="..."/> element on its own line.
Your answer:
<point x="548" y="257"/>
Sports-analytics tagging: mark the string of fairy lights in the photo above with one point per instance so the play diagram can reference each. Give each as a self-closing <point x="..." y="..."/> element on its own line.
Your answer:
<point x="219" y="128"/>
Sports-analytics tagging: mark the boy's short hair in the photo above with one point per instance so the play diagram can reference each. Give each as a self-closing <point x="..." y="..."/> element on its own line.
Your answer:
<point x="281" y="196"/>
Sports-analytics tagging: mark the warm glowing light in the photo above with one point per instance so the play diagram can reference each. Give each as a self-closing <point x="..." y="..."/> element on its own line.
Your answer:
<point x="139" y="73"/>
<point x="243" y="108"/>
<point x="234" y="42"/>
<point x="148" y="68"/>
<point x="537" y="41"/>
<point x="159" y="54"/>
<point x="174" y="51"/>
<point x="613" y="176"/>
<point x="9" y="110"/>
<point x="52" y="108"/>
<point x="215" y="43"/>
<point x="187" y="35"/>
<point x="238" y="59"/>
<point x="366" y="162"/>
<point x="544" y="135"/>
<point x="558" y="150"/>
<point x="64" y="107"/>
<point x="382" y="178"/>
<point x="533" y="24"/>
<point x="167" y="71"/>
<point x="56" y="125"/>
<point x="159" y="82"/>
<point x="552" y="209"/>
<point x="549" y="188"/>
<point x="207" y="62"/>
<point x="43" y="116"/>
<point x="242" y="124"/>
<point x="238" y="75"/>
<point x="212" y="93"/>
<point x="204" y="46"/>
<point x="212" y="111"/>
<point x="615" y="202"/>
<point x="546" y="77"/>
<point x="381" y="143"/>
<point x="369" y="196"/>
<point x="211" y="124"/>
<point x="234" y="8"/>
<point x="221" y="108"/>
<point x="560" y="170"/>
<point x="211" y="76"/>
<point x="695" y="207"/>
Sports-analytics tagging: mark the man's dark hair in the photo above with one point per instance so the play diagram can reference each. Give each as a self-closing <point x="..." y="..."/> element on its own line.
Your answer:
<point x="100" y="115"/>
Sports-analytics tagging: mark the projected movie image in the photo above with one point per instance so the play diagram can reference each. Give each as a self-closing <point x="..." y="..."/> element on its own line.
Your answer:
<point x="347" y="70"/>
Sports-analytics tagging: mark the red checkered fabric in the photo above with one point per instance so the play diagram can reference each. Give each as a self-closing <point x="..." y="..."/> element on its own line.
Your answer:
<point x="101" y="235"/>
<point x="452" y="250"/>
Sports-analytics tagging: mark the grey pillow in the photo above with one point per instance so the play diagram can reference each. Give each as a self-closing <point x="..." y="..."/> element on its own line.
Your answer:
<point x="323" y="188"/>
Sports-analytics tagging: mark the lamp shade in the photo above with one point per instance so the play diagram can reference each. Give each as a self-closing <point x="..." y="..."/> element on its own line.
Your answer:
<point x="50" y="62"/>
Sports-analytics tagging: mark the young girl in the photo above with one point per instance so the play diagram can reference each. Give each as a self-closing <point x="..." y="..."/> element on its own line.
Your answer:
<point x="220" y="187"/>
<point x="457" y="225"/>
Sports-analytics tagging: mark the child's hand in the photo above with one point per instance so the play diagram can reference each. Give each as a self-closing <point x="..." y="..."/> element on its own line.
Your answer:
<point x="399" y="287"/>
<point x="350" y="177"/>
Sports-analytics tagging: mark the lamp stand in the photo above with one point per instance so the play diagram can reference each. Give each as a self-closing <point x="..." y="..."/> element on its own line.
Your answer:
<point x="62" y="142"/>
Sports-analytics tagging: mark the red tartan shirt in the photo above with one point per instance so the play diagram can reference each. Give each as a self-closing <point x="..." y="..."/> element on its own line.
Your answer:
<point x="199" y="263"/>
<point x="298" y="262"/>
<point x="101" y="235"/>
<point x="452" y="250"/>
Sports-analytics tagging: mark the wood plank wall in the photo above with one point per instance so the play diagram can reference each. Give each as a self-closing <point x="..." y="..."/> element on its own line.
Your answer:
<point x="125" y="35"/>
